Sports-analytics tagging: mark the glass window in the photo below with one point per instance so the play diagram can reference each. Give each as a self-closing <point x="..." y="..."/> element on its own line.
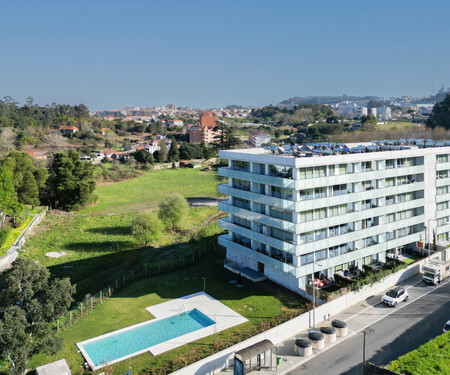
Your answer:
<point x="241" y="165"/>
<point x="320" y="213"/>
<point x="390" y="164"/>
<point x="306" y="194"/>
<point x="320" y="192"/>
<point x="280" y="171"/>
<point x="331" y="170"/>
<point x="342" y="168"/>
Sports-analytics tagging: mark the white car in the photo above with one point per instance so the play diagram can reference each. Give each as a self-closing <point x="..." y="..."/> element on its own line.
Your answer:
<point x="446" y="327"/>
<point x="394" y="296"/>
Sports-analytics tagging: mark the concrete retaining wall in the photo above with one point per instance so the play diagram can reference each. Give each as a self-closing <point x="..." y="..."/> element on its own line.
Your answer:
<point x="224" y="358"/>
<point x="12" y="252"/>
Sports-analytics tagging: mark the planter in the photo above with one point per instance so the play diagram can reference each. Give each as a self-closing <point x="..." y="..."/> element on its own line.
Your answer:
<point x="340" y="327"/>
<point x="317" y="340"/>
<point x="329" y="333"/>
<point x="303" y="347"/>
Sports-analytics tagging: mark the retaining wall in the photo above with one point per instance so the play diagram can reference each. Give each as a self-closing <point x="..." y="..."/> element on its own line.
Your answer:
<point x="12" y="252"/>
<point x="284" y="331"/>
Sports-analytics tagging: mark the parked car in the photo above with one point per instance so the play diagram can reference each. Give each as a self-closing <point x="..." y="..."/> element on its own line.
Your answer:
<point x="394" y="296"/>
<point x="446" y="327"/>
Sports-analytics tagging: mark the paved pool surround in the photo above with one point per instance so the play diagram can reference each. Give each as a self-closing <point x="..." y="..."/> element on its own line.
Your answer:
<point x="222" y="316"/>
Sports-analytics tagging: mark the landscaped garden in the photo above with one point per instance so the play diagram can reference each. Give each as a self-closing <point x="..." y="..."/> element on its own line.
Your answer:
<point x="263" y="306"/>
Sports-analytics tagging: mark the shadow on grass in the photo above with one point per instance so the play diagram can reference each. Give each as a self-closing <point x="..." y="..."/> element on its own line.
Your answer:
<point x="101" y="246"/>
<point x="117" y="231"/>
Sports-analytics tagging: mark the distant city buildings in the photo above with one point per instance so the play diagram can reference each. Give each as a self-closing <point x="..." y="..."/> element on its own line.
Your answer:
<point x="257" y="139"/>
<point x="204" y="132"/>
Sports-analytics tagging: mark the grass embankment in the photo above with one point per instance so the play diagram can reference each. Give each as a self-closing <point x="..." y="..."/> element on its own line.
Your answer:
<point x="127" y="307"/>
<point x="432" y="358"/>
<point x="146" y="191"/>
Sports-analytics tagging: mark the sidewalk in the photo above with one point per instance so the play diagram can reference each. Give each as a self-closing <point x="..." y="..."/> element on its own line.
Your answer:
<point x="356" y="318"/>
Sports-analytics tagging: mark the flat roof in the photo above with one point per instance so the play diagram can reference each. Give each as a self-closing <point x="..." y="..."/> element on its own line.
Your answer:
<point x="54" y="368"/>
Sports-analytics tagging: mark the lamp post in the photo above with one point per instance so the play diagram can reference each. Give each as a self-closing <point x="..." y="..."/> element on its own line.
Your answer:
<point x="314" y="294"/>
<point x="204" y="284"/>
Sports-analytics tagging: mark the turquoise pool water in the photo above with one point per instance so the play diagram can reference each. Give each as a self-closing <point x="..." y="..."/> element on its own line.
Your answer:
<point x="137" y="338"/>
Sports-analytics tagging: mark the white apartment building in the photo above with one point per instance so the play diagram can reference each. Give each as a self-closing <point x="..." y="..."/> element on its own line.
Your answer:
<point x="340" y="211"/>
<point x="257" y="139"/>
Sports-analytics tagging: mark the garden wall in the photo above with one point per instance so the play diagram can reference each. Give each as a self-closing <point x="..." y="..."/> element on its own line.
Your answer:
<point x="284" y="331"/>
<point x="12" y="253"/>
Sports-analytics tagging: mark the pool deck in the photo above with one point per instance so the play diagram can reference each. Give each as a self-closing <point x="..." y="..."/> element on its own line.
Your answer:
<point x="223" y="316"/>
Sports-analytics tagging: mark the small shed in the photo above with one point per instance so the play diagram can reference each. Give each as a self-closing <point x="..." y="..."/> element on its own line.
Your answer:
<point x="55" y="368"/>
<point x="259" y="356"/>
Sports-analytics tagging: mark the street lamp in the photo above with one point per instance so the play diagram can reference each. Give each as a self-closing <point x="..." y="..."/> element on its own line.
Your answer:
<point x="314" y="294"/>
<point x="204" y="284"/>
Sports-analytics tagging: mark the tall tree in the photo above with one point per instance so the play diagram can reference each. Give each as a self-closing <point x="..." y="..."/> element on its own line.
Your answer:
<point x="174" y="153"/>
<point x="440" y="115"/>
<point x="162" y="154"/>
<point x="7" y="140"/>
<point x="29" y="303"/>
<point x="173" y="210"/>
<point x="7" y="191"/>
<point x="29" y="181"/>
<point x="225" y="138"/>
<point x="71" y="182"/>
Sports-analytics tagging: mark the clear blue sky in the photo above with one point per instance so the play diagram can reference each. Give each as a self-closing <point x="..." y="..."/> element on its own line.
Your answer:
<point x="112" y="54"/>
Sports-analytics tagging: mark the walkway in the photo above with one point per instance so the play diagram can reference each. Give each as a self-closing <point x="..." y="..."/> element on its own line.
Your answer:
<point x="356" y="318"/>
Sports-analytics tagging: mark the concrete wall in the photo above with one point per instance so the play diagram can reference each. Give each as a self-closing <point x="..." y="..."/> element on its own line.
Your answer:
<point x="12" y="252"/>
<point x="224" y="358"/>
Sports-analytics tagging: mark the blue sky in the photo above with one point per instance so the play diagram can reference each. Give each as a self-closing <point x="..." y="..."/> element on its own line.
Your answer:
<point x="112" y="54"/>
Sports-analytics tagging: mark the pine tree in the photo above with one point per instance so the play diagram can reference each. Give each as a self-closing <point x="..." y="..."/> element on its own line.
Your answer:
<point x="162" y="154"/>
<point x="174" y="153"/>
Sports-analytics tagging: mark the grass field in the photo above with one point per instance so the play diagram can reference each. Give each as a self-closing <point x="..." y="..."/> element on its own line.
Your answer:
<point x="95" y="244"/>
<point x="127" y="307"/>
<point x="144" y="192"/>
<point x="399" y="125"/>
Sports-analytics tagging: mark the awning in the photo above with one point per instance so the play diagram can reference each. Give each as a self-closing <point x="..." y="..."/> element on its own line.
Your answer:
<point x="254" y="350"/>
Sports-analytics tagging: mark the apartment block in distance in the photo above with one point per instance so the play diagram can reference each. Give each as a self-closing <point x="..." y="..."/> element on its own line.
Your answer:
<point x="326" y="208"/>
<point x="204" y="132"/>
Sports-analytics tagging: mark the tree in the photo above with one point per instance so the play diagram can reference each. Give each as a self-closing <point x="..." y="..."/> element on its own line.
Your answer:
<point x="54" y="142"/>
<point x="173" y="209"/>
<point x="147" y="228"/>
<point x="174" y="153"/>
<point x="29" y="181"/>
<point x="225" y="138"/>
<point x="7" y="139"/>
<point x="7" y="191"/>
<point x="71" y="182"/>
<point x="440" y="115"/>
<point x="29" y="303"/>
<point x="368" y="122"/>
<point x="143" y="156"/>
<point x="161" y="156"/>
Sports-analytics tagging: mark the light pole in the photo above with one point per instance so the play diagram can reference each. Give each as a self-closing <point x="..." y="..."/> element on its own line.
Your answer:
<point x="204" y="284"/>
<point x="314" y="294"/>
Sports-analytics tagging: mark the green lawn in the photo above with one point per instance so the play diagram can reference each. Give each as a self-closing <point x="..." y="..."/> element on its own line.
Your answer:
<point x="127" y="307"/>
<point x="399" y="125"/>
<point x="432" y="358"/>
<point x="411" y="259"/>
<point x="144" y="192"/>
<point x="103" y="245"/>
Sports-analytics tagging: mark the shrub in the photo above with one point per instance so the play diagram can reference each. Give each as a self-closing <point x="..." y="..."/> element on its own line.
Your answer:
<point x="4" y="232"/>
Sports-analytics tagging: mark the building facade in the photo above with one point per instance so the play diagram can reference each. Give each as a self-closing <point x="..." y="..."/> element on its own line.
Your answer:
<point x="257" y="139"/>
<point x="288" y="216"/>
<point x="204" y="132"/>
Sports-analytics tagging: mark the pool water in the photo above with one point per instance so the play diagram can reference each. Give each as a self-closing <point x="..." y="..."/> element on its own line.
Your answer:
<point x="114" y="346"/>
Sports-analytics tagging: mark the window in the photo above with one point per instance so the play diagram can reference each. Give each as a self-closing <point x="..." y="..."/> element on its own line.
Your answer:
<point x="242" y="203"/>
<point x="390" y="181"/>
<point x="401" y="163"/>
<point x="306" y="216"/>
<point x="280" y="171"/>
<point x="282" y="193"/>
<point x="306" y="173"/>
<point x="242" y="222"/>
<point x="401" y="198"/>
<point x="281" y="235"/>
<point x="306" y="194"/>
<point x="442" y="158"/>
<point x="307" y="237"/>
<point x="320" y="213"/>
<point x="320" y="192"/>
<point x="366" y="166"/>
<point x="390" y="218"/>
<point x="281" y="214"/>
<point x="320" y="234"/>
<point x="441" y="190"/>
<point x="241" y="165"/>
<point x="442" y="206"/>
<point x="342" y="168"/>
<point x="321" y="254"/>
<point x="333" y="251"/>
<point x="306" y="259"/>
<point x="390" y="164"/>
<point x="320" y="171"/>
<point x="331" y="170"/>
<point x="241" y="184"/>
<point x="339" y="189"/>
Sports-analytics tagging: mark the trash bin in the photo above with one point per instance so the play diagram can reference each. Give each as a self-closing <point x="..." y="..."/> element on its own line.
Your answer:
<point x="329" y="333"/>
<point x="303" y="347"/>
<point x="340" y="326"/>
<point x="278" y="361"/>
<point x="317" y="340"/>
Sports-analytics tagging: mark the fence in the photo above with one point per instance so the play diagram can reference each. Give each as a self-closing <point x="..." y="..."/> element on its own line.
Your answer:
<point x="114" y="284"/>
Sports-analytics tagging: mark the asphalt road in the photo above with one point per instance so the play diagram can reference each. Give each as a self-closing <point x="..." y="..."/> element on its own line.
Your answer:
<point x="404" y="329"/>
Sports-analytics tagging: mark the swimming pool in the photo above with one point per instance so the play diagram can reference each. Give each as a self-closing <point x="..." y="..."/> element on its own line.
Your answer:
<point x="127" y="342"/>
